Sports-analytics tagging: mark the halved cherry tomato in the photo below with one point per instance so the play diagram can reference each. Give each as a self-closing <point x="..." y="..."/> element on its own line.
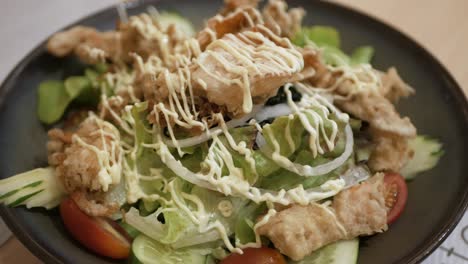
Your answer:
<point x="261" y="255"/>
<point x="101" y="235"/>
<point x="396" y="194"/>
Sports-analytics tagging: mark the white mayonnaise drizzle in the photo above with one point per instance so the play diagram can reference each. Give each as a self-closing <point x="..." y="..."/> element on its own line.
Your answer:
<point x="109" y="156"/>
<point x="351" y="80"/>
<point x="178" y="111"/>
<point x="249" y="55"/>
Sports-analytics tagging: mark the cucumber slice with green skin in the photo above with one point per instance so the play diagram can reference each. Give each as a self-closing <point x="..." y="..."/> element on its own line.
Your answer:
<point x="35" y="188"/>
<point x="149" y="251"/>
<point x="341" y="252"/>
<point x="427" y="152"/>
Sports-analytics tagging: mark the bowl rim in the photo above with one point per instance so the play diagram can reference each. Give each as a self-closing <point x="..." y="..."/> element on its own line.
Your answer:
<point x="461" y="101"/>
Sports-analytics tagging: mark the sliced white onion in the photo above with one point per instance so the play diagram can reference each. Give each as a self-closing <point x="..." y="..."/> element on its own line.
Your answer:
<point x="260" y="140"/>
<point x="181" y="171"/>
<point x="273" y="111"/>
<point x="355" y="175"/>
<point x="307" y="170"/>
<point x="259" y="113"/>
<point x="237" y="187"/>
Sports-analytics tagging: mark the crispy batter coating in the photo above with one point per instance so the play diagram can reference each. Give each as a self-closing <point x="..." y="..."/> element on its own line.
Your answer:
<point x="389" y="131"/>
<point x="391" y="151"/>
<point x="94" y="204"/>
<point x="141" y="35"/>
<point x="393" y="87"/>
<point x="380" y="113"/>
<point x="218" y="26"/>
<point x="233" y="5"/>
<point x="78" y="166"/>
<point x="282" y="21"/>
<point x="87" y="43"/>
<point x="361" y="209"/>
<point x="226" y="75"/>
<point x="299" y="230"/>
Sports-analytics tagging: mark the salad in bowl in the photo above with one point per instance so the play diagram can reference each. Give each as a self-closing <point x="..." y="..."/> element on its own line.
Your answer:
<point x="253" y="140"/>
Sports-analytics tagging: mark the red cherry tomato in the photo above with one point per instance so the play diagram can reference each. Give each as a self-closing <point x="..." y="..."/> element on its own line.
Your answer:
<point x="101" y="235"/>
<point x="396" y="194"/>
<point x="261" y="255"/>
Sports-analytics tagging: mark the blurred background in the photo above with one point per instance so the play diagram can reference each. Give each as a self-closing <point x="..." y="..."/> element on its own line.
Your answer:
<point x="439" y="26"/>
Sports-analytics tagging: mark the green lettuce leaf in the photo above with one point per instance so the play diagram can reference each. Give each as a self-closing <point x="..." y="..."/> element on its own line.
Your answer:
<point x="52" y="101"/>
<point x="149" y="251"/>
<point x="246" y="218"/>
<point x="277" y="130"/>
<point x="245" y="134"/>
<point x="362" y="55"/>
<point x="328" y="39"/>
<point x="211" y="201"/>
<point x="320" y="35"/>
<point x="55" y="96"/>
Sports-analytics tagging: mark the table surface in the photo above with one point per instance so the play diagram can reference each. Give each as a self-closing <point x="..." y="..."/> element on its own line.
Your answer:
<point x="440" y="26"/>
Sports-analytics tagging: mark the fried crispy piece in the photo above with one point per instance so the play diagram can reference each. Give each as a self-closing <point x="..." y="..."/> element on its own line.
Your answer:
<point x="141" y="35"/>
<point x="374" y="107"/>
<point x="81" y="166"/>
<point x="233" y="5"/>
<point x="94" y="204"/>
<point x="58" y="141"/>
<point x="80" y="169"/>
<point x="369" y="104"/>
<point x="299" y="230"/>
<point x="251" y="64"/>
<point x="393" y="87"/>
<point x="361" y="209"/>
<point x="63" y="43"/>
<point x="235" y="22"/>
<point x="88" y="44"/>
<point x="282" y="21"/>
<point x="112" y="106"/>
<point x="391" y="151"/>
<point x="315" y="71"/>
<point x="380" y="113"/>
<point x="389" y="132"/>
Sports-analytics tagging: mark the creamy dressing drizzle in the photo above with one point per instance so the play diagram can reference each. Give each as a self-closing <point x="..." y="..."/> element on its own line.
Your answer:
<point x="249" y="55"/>
<point x="351" y="80"/>
<point x="109" y="157"/>
<point x="180" y="110"/>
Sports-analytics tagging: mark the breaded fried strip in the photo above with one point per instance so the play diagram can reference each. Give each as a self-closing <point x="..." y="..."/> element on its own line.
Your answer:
<point x="282" y="21"/>
<point x="299" y="230"/>
<point x="361" y="209"/>
<point x="245" y="66"/>
<point x="235" y="22"/>
<point x="87" y="43"/>
<point x="233" y="5"/>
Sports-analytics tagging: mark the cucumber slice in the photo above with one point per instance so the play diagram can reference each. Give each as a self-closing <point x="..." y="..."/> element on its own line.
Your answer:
<point x="35" y="188"/>
<point x="149" y="251"/>
<point x="341" y="252"/>
<point x="427" y="152"/>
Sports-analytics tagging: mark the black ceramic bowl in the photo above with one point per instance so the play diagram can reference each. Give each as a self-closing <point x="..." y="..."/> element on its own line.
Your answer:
<point x="437" y="198"/>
